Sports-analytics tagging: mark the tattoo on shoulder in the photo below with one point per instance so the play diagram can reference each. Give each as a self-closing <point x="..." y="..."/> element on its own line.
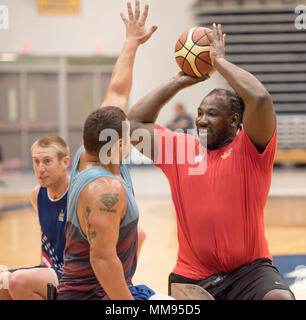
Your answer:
<point x="91" y="234"/>
<point x="109" y="200"/>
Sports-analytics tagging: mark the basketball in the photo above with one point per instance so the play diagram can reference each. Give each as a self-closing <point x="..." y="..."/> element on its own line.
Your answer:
<point x="192" y="52"/>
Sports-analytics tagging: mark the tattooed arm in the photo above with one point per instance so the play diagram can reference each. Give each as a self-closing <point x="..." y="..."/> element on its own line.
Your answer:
<point x="100" y="214"/>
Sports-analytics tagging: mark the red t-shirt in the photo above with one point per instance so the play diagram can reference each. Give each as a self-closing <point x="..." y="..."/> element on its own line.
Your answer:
<point x="219" y="206"/>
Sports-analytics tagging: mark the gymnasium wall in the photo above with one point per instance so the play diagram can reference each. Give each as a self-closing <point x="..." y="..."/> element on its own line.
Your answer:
<point x="99" y="22"/>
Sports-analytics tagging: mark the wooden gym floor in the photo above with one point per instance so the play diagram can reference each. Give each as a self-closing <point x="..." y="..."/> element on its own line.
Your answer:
<point x="285" y="219"/>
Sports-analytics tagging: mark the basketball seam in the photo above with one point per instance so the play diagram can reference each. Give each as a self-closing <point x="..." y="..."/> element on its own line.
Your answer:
<point x="182" y="67"/>
<point x="186" y="54"/>
<point x="196" y="43"/>
<point x="189" y="51"/>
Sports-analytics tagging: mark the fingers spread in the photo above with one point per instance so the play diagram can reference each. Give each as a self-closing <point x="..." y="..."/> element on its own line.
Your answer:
<point x="148" y="34"/>
<point x="130" y="12"/>
<point x="123" y="18"/>
<point x="216" y="33"/>
<point x="214" y="30"/>
<point x="219" y="31"/>
<point x="208" y="34"/>
<point x="137" y="10"/>
<point x="224" y="39"/>
<point x="144" y="14"/>
<point x="153" y="29"/>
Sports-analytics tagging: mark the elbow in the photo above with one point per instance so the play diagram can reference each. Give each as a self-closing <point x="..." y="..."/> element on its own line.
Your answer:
<point x="94" y="261"/>
<point x="263" y="99"/>
<point x="141" y="235"/>
<point x="134" y="116"/>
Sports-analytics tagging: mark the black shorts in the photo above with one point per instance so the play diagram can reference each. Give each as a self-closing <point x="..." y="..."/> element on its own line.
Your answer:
<point x="248" y="282"/>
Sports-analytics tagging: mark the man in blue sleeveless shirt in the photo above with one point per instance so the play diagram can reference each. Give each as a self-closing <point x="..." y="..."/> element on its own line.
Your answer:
<point x="102" y="215"/>
<point x="50" y="155"/>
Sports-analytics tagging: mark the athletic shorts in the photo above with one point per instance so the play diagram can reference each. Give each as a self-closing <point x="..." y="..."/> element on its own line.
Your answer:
<point x="248" y="282"/>
<point x="56" y="273"/>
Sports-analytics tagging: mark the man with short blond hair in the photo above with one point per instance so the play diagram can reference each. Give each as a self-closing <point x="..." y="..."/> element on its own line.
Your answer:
<point x="50" y="156"/>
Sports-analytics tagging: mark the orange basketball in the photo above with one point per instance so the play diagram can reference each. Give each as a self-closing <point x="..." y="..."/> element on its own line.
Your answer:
<point x="192" y="52"/>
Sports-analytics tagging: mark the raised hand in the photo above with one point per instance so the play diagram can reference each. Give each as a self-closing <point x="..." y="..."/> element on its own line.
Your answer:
<point x="217" y="43"/>
<point x="135" y="25"/>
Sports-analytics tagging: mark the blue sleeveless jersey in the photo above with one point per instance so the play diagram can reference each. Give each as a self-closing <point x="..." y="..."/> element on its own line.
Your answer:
<point x="52" y="218"/>
<point x="78" y="275"/>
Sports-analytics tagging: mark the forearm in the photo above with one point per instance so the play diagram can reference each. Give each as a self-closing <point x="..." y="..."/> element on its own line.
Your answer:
<point x="244" y="83"/>
<point x="122" y="77"/>
<point x="110" y="274"/>
<point x="147" y="109"/>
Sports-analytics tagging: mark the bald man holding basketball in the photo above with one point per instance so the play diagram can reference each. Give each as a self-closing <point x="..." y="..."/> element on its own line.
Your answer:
<point x="222" y="245"/>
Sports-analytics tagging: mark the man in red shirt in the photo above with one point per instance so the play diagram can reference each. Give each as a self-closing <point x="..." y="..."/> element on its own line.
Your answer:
<point x="219" y="182"/>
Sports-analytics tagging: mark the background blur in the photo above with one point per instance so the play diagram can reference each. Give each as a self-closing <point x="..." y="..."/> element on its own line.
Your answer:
<point x="56" y="58"/>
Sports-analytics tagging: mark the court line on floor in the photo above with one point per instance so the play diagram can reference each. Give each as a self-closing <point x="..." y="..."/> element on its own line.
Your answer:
<point x="15" y="207"/>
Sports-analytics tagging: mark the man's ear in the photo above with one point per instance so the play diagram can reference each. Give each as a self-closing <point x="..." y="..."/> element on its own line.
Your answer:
<point x="235" y="120"/>
<point x="66" y="161"/>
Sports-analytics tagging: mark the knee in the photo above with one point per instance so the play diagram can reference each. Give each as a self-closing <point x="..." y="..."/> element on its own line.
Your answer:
<point x="17" y="283"/>
<point x="279" y="294"/>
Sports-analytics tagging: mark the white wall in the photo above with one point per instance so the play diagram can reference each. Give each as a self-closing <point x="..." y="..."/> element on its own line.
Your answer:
<point x="99" y="21"/>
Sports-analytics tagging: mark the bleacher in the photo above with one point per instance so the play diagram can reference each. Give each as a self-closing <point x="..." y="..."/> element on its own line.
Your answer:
<point x="263" y="39"/>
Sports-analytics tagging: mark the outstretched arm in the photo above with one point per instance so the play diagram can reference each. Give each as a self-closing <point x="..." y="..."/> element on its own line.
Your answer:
<point x="259" y="118"/>
<point x="122" y="77"/>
